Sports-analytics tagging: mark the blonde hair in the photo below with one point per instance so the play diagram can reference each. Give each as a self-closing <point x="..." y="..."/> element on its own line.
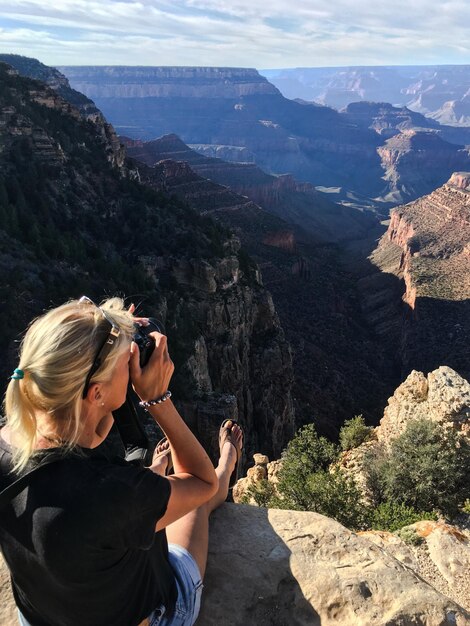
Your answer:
<point x="56" y="355"/>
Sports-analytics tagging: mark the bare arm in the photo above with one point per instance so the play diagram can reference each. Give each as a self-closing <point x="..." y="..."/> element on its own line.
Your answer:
<point x="194" y="481"/>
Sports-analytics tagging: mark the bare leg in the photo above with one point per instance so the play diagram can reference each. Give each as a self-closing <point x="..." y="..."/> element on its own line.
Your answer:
<point x="192" y="530"/>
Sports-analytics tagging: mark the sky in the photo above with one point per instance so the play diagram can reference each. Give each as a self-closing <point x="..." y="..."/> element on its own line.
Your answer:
<point x="238" y="33"/>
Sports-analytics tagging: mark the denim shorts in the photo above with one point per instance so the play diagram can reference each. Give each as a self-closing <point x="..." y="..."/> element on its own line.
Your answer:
<point x="189" y="591"/>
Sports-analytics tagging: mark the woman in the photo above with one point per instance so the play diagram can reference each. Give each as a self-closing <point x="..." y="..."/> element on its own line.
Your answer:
<point x="91" y="541"/>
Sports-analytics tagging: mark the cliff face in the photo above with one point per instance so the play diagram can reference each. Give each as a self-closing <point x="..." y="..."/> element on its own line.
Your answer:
<point x="295" y="202"/>
<point x="60" y="86"/>
<point x="442" y="396"/>
<point x="238" y="112"/>
<point x="56" y="180"/>
<point x="415" y="163"/>
<point x="425" y="89"/>
<point x="238" y="116"/>
<point x="310" y="288"/>
<point x="426" y="246"/>
<point x="388" y="121"/>
<point x="182" y="82"/>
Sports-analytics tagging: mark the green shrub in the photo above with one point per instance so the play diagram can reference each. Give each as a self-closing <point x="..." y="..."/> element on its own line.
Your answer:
<point x="354" y="432"/>
<point x="305" y="484"/>
<point x="392" y="516"/>
<point x="410" y="536"/>
<point x="305" y="454"/>
<point x="427" y="468"/>
<point x="263" y="493"/>
<point x="337" y="496"/>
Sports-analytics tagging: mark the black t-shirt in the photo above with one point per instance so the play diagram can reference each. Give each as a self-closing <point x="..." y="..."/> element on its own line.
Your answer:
<point x="80" y="541"/>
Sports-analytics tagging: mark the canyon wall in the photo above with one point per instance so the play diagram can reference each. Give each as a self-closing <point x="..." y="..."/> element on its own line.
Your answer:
<point x="426" y="247"/>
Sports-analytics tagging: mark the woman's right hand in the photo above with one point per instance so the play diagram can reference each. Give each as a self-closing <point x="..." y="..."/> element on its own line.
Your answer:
<point x="151" y="381"/>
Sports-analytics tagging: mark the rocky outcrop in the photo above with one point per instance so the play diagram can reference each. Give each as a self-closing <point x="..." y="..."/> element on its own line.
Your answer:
<point x="272" y="568"/>
<point x="417" y="162"/>
<point x="442" y="396"/>
<point x="436" y="551"/>
<point x="62" y="97"/>
<point x="285" y="567"/>
<point x="387" y="120"/>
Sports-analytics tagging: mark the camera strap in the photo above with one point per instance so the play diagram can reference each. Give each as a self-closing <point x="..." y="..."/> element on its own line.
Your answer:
<point x="132" y="432"/>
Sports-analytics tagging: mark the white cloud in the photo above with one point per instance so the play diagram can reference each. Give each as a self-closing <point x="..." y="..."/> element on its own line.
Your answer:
<point x="237" y="32"/>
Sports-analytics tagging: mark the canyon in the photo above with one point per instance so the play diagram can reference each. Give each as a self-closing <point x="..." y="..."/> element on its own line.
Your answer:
<point x="237" y="115"/>
<point x="439" y="91"/>
<point x="427" y="247"/>
<point x="338" y="319"/>
<point x="183" y="268"/>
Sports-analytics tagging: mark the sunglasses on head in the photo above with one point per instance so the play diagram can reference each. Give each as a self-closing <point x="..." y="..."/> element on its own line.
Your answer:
<point x="105" y="347"/>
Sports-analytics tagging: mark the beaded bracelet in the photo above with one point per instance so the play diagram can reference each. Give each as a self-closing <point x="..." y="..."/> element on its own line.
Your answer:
<point x="145" y="405"/>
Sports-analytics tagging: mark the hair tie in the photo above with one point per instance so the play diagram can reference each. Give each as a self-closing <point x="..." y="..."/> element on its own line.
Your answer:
<point x="17" y="374"/>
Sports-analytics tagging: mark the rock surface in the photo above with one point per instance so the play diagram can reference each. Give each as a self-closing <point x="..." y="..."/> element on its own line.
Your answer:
<point x="279" y="568"/>
<point x="425" y="254"/>
<point x="299" y="568"/>
<point x="440" y="91"/>
<point x="442" y="396"/>
<point x="440" y="555"/>
<point x="295" y="202"/>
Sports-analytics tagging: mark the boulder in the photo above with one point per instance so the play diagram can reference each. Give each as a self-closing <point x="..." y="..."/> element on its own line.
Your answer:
<point x="443" y="397"/>
<point x="278" y="568"/>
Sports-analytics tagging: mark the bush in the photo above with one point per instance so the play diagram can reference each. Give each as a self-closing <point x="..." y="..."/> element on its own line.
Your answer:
<point x="305" y="484"/>
<point x="263" y="493"/>
<point x="354" y="432"/>
<point x="427" y="469"/>
<point x="392" y="516"/>
<point x="306" y="454"/>
<point x="334" y="495"/>
<point x="410" y="536"/>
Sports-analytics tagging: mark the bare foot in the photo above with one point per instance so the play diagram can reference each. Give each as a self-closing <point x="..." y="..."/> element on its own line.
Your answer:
<point x="161" y="458"/>
<point x="230" y="448"/>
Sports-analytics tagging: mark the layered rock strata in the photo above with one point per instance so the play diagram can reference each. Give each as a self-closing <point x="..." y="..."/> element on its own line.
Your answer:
<point x="70" y="101"/>
<point x="416" y="162"/>
<point x="295" y="202"/>
<point x="306" y="281"/>
<point x="239" y="112"/>
<point x="425" y="254"/>
<point x="237" y="115"/>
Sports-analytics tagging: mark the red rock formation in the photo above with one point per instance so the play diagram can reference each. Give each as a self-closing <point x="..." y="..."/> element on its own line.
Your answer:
<point x="427" y="246"/>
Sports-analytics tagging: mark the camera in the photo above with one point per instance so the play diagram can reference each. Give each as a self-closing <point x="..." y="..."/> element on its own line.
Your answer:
<point x="144" y="341"/>
<point x="134" y="437"/>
